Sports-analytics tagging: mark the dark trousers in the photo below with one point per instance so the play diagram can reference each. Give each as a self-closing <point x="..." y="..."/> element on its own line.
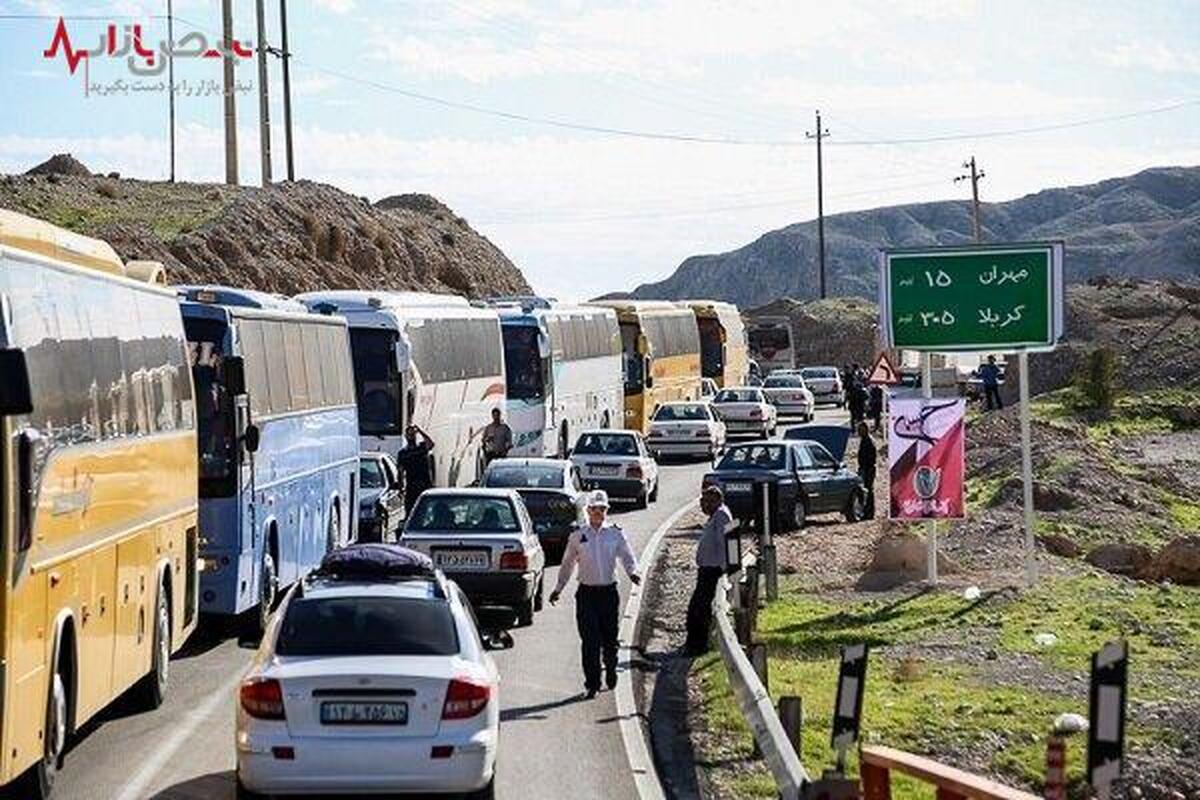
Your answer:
<point x="868" y="478"/>
<point x="596" y="617"/>
<point x="699" y="613"/>
<point x="992" y="393"/>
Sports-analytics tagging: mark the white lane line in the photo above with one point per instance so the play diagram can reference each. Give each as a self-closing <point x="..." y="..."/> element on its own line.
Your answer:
<point x="135" y="789"/>
<point x="641" y="763"/>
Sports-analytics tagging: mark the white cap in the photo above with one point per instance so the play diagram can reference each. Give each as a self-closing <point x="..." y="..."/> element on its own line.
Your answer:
<point x="597" y="499"/>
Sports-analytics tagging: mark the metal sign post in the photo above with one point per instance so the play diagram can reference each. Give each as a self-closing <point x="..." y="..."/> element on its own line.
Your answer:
<point x="931" y="545"/>
<point x="1027" y="470"/>
<point x="847" y="710"/>
<point x="1106" y="729"/>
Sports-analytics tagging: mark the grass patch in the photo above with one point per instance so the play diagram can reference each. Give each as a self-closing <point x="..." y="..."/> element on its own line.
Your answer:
<point x="1184" y="514"/>
<point x="984" y="492"/>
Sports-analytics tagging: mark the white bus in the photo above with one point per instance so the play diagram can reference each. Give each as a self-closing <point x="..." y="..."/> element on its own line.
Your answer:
<point x="431" y="360"/>
<point x="771" y="345"/>
<point x="563" y="367"/>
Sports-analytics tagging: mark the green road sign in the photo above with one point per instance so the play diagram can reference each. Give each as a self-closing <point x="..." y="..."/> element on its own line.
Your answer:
<point x="993" y="297"/>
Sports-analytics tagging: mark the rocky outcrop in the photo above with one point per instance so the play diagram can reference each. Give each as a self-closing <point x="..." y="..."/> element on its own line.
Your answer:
<point x="1179" y="561"/>
<point x="1133" y="560"/>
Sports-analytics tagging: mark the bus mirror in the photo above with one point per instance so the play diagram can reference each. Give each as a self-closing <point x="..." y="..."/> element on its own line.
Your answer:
<point x="402" y="354"/>
<point x="235" y="376"/>
<point x="543" y="345"/>
<point x="251" y="438"/>
<point x="15" y="395"/>
<point x="643" y="344"/>
<point x="27" y="443"/>
<point x="649" y="381"/>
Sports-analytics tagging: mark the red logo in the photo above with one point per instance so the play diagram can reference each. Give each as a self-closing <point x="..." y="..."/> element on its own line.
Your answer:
<point x="125" y="41"/>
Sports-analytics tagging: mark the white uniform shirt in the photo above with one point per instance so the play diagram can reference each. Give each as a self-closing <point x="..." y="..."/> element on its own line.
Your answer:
<point x="596" y="552"/>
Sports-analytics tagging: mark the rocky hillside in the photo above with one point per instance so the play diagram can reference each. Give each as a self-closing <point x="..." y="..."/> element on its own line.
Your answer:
<point x="1142" y="226"/>
<point x="290" y="238"/>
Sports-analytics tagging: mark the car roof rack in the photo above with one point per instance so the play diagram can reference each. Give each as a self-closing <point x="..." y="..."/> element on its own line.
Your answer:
<point x="380" y="562"/>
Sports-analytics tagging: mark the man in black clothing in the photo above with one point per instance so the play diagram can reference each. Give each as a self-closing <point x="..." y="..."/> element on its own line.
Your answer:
<point x="415" y="462"/>
<point x="867" y="454"/>
<point x="875" y="407"/>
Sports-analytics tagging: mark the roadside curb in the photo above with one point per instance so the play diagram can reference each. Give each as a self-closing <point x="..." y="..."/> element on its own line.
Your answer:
<point x="637" y="752"/>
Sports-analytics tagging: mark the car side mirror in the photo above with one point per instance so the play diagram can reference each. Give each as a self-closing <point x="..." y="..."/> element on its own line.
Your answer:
<point x="235" y="375"/>
<point x="15" y="395"/>
<point x="251" y="438"/>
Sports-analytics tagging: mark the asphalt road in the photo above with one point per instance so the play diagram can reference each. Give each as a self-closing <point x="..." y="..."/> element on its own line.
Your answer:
<point x="553" y="743"/>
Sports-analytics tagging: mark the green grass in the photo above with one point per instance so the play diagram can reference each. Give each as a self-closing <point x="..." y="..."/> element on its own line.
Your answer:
<point x="167" y="223"/>
<point x="984" y="492"/>
<point x="1185" y="514"/>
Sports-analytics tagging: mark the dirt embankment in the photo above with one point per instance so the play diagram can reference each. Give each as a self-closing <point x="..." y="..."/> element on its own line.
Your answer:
<point x="288" y="238"/>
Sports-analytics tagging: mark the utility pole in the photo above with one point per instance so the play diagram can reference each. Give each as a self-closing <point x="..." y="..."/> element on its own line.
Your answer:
<point x="819" y="135"/>
<point x="286" y="55"/>
<point x="231" y="155"/>
<point x="171" y="82"/>
<point x="974" y="178"/>
<point x="264" y="98"/>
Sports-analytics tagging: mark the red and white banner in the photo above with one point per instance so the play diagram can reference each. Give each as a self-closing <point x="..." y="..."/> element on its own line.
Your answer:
<point x="926" y="457"/>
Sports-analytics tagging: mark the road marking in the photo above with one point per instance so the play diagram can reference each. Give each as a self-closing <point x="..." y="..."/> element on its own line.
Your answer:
<point x="136" y="787"/>
<point x="641" y="763"/>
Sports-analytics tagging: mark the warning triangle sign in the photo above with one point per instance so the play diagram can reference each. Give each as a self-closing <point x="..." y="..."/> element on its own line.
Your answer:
<point x="883" y="372"/>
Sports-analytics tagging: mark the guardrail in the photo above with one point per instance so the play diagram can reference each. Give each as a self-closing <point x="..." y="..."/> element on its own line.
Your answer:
<point x="877" y="764"/>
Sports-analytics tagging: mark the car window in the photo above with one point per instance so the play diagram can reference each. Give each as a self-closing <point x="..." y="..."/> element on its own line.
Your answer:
<point x="371" y="475"/>
<point x="360" y="626"/>
<point x="784" y="382"/>
<point x="521" y="476"/>
<point x="819" y="372"/>
<point x="681" y="413"/>
<point x="754" y="456"/>
<point x="607" y="444"/>
<point x="821" y="456"/>
<point x="802" y="456"/>
<point x="389" y="467"/>
<point x="737" y="396"/>
<point x="464" y="514"/>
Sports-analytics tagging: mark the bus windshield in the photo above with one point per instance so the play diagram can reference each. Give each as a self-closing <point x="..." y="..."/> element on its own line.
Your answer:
<point x="214" y="406"/>
<point x="376" y="380"/>
<point x="523" y="362"/>
<point x="769" y="340"/>
<point x="712" y="353"/>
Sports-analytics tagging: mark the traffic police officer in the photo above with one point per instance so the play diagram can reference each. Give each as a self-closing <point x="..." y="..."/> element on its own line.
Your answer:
<point x="595" y="548"/>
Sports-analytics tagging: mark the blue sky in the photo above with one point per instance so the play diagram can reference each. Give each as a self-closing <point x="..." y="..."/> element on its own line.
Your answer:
<point x="583" y="212"/>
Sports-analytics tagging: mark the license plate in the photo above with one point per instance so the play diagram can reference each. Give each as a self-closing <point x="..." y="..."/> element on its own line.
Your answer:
<point x="601" y="469"/>
<point x="461" y="559"/>
<point x="737" y="486"/>
<point x="364" y="713"/>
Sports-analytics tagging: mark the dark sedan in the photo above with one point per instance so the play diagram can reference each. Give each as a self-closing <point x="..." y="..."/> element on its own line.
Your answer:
<point x="552" y="493"/>
<point x="807" y="478"/>
<point x="381" y="498"/>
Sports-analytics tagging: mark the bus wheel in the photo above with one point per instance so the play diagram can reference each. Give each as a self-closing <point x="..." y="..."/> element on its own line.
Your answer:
<point x="268" y="587"/>
<point x="153" y="687"/>
<point x="41" y="777"/>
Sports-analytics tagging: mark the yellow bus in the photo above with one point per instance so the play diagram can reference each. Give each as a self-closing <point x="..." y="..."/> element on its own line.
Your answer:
<point x="660" y="348"/>
<point x="724" y="355"/>
<point x="98" y="490"/>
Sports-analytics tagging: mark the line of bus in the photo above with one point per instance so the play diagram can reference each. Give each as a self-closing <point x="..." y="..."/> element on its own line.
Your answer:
<point x="771" y="345"/>
<point x="98" y="491"/>
<point x="724" y="354"/>
<point x="432" y="360"/>
<point x="278" y="442"/>
<point x="562" y="368"/>
<point x="660" y="347"/>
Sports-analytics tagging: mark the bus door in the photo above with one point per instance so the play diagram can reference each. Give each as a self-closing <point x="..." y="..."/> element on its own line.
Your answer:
<point x="549" y="386"/>
<point x="246" y="441"/>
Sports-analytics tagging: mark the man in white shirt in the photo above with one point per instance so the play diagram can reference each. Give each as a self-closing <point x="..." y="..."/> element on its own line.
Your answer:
<point x="710" y="565"/>
<point x="595" y="549"/>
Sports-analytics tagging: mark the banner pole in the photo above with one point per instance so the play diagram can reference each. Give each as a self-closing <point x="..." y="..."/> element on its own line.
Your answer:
<point x="931" y="569"/>
<point x="1027" y="470"/>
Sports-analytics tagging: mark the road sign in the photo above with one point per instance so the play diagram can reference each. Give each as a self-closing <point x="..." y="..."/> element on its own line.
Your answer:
<point x="981" y="298"/>
<point x="884" y="372"/>
<point x="1106" y="728"/>
<point x="847" y="710"/>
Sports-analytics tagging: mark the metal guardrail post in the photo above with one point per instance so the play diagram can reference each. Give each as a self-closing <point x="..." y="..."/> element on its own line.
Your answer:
<point x="771" y="571"/>
<point x="757" y="653"/>
<point x="752" y="578"/>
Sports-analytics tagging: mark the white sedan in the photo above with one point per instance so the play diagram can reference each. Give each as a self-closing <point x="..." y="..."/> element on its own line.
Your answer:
<point x="744" y="409"/>
<point x="371" y="678"/>
<point x="789" y="395"/>
<point x="685" y="429"/>
<point x="617" y="462"/>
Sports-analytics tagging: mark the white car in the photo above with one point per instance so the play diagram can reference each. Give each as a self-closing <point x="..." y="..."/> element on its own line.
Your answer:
<point x="790" y="396"/>
<point x="744" y="409"/>
<point x="682" y="428"/>
<point x="826" y="385"/>
<point x="371" y="678"/>
<point x="708" y="389"/>
<point x="486" y="541"/>
<point x="617" y="462"/>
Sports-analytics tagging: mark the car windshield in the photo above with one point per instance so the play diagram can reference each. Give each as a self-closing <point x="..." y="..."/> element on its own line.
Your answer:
<point x="367" y="626"/>
<point x="754" y="456"/>
<point x="784" y="382"/>
<point x="370" y="474"/>
<point x="690" y="412"/>
<point x="523" y="476"/>
<point x="737" y="396"/>
<point x="606" y="444"/>
<point x="464" y="514"/>
<point x="819" y="372"/>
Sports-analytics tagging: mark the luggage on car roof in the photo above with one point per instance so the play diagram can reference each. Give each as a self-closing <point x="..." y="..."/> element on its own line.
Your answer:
<point x="373" y="560"/>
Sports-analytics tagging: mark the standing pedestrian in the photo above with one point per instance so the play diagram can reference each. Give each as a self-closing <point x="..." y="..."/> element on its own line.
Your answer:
<point x="595" y="548"/>
<point x="416" y="464"/>
<point x="989" y="373"/>
<point x="710" y="566"/>
<point x="875" y="407"/>
<point x="497" y="438"/>
<point x="867" y="455"/>
<point x="857" y="401"/>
